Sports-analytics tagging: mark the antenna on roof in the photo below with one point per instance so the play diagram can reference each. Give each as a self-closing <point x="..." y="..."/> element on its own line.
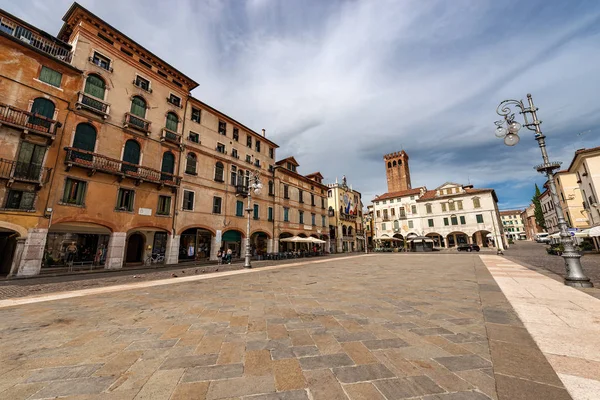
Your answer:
<point x="469" y="179"/>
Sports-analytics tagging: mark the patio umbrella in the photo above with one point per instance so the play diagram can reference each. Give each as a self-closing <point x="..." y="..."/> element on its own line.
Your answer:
<point x="595" y="231"/>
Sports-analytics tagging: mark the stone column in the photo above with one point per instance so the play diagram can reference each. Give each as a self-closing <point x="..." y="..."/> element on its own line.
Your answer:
<point x="214" y="248"/>
<point x="469" y="239"/>
<point x="270" y="246"/>
<point x="275" y="245"/>
<point x="328" y="244"/>
<point x="172" y="251"/>
<point x="18" y="254"/>
<point x="30" y="262"/>
<point x="116" y="250"/>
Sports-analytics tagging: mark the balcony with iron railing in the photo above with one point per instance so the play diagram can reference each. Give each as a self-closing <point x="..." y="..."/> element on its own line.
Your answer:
<point x="350" y="217"/>
<point x="99" y="163"/>
<point x="137" y="123"/>
<point x="50" y="47"/>
<point x="23" y="172"/>
<point x="28" y="121"/>
<point x="93" y="104"/>
<point x="170" y="136"/>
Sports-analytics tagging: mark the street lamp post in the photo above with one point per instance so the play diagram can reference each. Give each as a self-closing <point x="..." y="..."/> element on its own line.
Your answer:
<point x="575" y="276"/>
<point x="246" y="191"/>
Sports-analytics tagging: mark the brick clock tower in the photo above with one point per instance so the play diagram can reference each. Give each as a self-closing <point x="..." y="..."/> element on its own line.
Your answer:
<point x="397" y="172"/>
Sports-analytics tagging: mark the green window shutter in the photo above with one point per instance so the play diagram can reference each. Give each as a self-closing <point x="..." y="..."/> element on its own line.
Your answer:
<point x="50" y="76"/>
<point x="256" y="211"/>
<point x="172" y="122"/>
<point x="138" y="107"/>
<point x="462" y="220"/>
<point x="270" y="213"/>
<point x="446" y="221"/>
<point x="85" y="137"/>
<point x="479" y="218"/>
<point x="95" y="86"/>
<point x="80" y="192"/>
<point x="239" y="209"/>
<point x="132" y="152"/>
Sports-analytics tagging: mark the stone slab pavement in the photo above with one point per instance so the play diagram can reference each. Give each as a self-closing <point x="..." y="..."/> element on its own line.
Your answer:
<point x="362" y="327"/>
<point x="563" y="321"/>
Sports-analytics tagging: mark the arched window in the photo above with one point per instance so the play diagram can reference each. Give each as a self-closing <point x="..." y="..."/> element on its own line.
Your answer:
<point x="138" y="106"/>
<point x="389" y="164"/>
<point x="349" y="230"/>
<point x="191" y="161"/>
<point x="233" y="175"/>
<point x="396" y="225"/>
<point x="85" y="139"/>
<point x="344" y="230"/>
<point x="219" y="171"/>
<point x="95" y="86"/>
<point x="394" y="163"/>
<point x="172" y="121"/>
<point x="131" y="154"/>
<point x="44" y="108"/>
<point x="168" y="166"/>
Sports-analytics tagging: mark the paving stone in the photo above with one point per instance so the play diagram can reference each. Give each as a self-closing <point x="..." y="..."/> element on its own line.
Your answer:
<point x="301" y="338"/>
<point x="353" y="336"/>
<point x="213" y="373"/>
<point x="325" y="361"/>
<point x="327" y="344"/>
<point x="73" y="387"/>
<point x="384" y="344"/>
<point x="175" y="332"/>
<point x="281" y="353"/>
<point x="361" y="373"/>
<point x="231" y="353"/>
<point x="501" y="316"/>
<point x="402" y="388"/>
<point x="189" y="361"/>
<point x="190" y="391"/>
<point x="431" y="331"/>
<point x="510" y="334"/>
<point x="152" y="344"/>
<point x="305" y="351"/>
<point x="160" y="385"/>
<point x="359" y="353"/>
<point x="288" y="375"/>
<point x="70" y="372"/>
<point x="462" y="363"/>
<point x="470" y="395"/>
<point x="510" y="388"/>
<point x="291" y="395"/>
<point x="244" y="386"/>
<point x="323" y="385"/>
<point x="482" y="381"/>
<point x="465" y="338"/>
<point x="257" y="363"/>
<point x="363" y="391"/>
<point x="210" y="344"/>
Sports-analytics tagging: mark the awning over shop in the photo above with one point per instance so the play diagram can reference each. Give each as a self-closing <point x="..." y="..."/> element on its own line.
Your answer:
<point x="385" y="238"/>
<point x="79" y="227"/>
<point x="298" y="239"/>
<point x="232" y="236"/>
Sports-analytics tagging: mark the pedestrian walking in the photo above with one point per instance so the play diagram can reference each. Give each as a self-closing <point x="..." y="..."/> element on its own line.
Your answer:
<point x="229" y="253"/>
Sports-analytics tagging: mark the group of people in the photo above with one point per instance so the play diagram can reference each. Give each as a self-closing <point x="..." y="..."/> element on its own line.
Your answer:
<point x="224" y="257"/>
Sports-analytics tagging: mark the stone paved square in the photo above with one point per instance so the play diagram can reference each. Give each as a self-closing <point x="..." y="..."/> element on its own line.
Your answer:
<point x="384" y="326"/>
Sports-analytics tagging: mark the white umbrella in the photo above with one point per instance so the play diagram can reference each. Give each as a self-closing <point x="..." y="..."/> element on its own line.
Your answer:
<point x="319" y="241"/>
<point x="595" y="231"/>
<point x="554" y="236"/>
<point x="583" y="233"/>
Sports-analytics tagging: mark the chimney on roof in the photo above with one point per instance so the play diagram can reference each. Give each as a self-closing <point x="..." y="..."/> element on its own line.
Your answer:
<point x="264" y="133"/>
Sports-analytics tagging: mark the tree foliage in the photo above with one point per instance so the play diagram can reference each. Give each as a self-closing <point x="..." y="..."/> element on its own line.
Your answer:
<point x="539" y="214"/>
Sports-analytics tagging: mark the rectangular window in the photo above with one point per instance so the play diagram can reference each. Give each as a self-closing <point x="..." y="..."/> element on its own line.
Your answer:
<point x="74" y="192"/>
<point x="239" y="208"/>
<point x="216" y="205"/>
<point x="428" y="208"/>
<point x="393" y="211"/>
<point x="385" y="201"/>
<point x="286" y="214"/>
<point x="444" y="207"/>
<point x="164" y="205"/>
<point x="312" y="199"/>
<point x="300" y="217"/>
<point x="20" y="200"/>
<point x="236" y="134"/>
<point x="270" y="214"/>
<point x="383" y="226"/>
<point x="402" y="212"/>
<point x="220" y="148"/>
<point x="413" y="209"/>
<point x="255" y="214"/>
<point x="176" y="101"/>
<point x="459" y="204"/>
<point x="249" y="141"/>
<point x="188" y="200"/>
<point x="101" y="61"/>
<point x="195" y="115"/>
<point x="286" y="192"/>
<point x="462" y="220"/>
<point x="300" y="196"/>
<point x="476" y="203"/>
<point x="323" y="203"/>
<point x="410" y="224"/>
<point x="50" y="76"/>
<point x="322" y="220"/>
<point x="479" y="218"/>
<point x="313" y="218"/>
<point x="430" y="222"/>
<point x="148" y="65"/>
<point x="412" y="197"/>
<point x="385" y="215"/>
<point x="271" y="152"/>
<point x="125" y="200"/>
<point x="194" y="137"/>
<point x="378" y="213"/>
<point x="222" y="128"/>
<point x="446" y="222"/>
<point x="142" y="83"/>
<point x="454" y="220"/>
<point x="451" y="206"/>
<point x="234" y="153"/>
<point x="257" y="146"/>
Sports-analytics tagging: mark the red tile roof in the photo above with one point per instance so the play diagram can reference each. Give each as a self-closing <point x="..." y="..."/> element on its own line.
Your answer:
<point x="401" y="193"/>
<point x="431" y="194"/>
<point x="582" y="151"/>
<point x="510" y="212"/>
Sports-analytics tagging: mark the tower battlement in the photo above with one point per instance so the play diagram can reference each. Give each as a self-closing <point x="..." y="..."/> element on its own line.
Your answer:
<point x="395" y="154"/>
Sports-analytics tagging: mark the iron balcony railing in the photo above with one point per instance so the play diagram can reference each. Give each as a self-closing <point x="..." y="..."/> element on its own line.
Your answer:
<point x="50" y="47"/>
<point x="98" y="162"/>
<point x="22" y="171"/>
<point x="241" y="190"/>
<point x="350" y="217"/>
<point x="171" y="136"/>
<point x="135" y="122"/>
<point x="27" y="120"/>
<point x="93" y="104"/>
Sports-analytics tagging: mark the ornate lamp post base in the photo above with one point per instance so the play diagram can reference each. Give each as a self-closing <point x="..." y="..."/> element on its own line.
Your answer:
<point x="575" y="277"/>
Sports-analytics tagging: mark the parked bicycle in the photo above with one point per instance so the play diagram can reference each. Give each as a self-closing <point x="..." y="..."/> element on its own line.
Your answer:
<point x="155" y="259"/>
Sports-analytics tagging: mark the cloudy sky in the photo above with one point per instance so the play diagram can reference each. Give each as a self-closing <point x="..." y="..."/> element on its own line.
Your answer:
<point x="338" y="84"/>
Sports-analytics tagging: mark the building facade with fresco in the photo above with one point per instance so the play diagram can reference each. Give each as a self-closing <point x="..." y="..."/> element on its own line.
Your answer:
<point x="345" y="211"/>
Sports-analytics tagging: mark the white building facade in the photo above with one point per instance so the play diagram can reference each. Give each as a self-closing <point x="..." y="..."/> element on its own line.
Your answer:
<point x="513" y="224"/>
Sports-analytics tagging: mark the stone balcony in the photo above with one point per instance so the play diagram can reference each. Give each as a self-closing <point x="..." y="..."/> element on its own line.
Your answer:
<point x="93" y="104"/>
<point x="29" y="122"/>
<point x="137" y="123"/>
<point x="15" y="171"/>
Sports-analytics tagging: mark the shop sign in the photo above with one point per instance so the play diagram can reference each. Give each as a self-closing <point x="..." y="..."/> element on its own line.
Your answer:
<point x="145" y="211"/>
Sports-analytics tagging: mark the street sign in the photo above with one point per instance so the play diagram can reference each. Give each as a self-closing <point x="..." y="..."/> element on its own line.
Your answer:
<point x="572" y="233"/>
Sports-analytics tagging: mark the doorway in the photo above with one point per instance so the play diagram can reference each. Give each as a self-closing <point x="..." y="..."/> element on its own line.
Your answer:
<point x="135" y="248"/>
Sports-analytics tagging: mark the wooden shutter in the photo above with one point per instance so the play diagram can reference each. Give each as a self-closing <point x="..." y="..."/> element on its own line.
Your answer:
<point x="95" y="86"/>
